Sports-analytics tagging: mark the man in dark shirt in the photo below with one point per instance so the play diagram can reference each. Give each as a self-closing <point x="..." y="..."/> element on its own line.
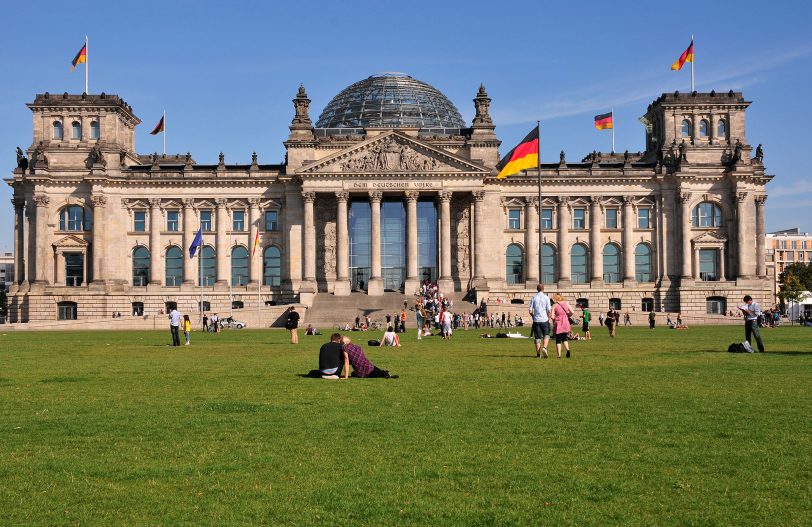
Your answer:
<point x="292" y="325"/>
<point x="332" y="358"/>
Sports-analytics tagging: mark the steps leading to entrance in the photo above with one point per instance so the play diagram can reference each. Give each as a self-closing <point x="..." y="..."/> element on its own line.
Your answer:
<point x="330" y="311"/>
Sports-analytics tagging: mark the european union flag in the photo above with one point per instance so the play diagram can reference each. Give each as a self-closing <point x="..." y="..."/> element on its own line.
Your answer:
<point x="196" y="243"/>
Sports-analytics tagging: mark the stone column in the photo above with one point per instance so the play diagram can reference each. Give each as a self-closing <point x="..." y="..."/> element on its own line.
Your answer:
<point x="190" y="271"/>
<point x="445" y="283"/>
<point x="531" y="242"/>
<point x="99" y="221"/>
<point x="156" y="273"/>
<point x="744" y="238"/>
<point x="221" y="240"/>
<point x="564" y="262"/>
<point x="309" y="252"/>
<point x="19" y="241"/>
<point x="479" y="249"/>
<point x="342" y="284"/>
<point x="596" y="251"/>
<point x="687" y="267"/>
<point x="30" y="242"/>
<point x="375" y="286"/>
<point x="254" y="257"/>
<point x="722" y="257"/>
<point x="628" y="240"/>
<point x="712" y="131"/>
<point x="761" y="264"/>
<point x="412" y="256"/>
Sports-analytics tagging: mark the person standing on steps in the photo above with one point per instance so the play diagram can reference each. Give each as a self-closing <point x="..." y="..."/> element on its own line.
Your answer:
<point x="540" y="309"/>
<point x="292" y="325"/>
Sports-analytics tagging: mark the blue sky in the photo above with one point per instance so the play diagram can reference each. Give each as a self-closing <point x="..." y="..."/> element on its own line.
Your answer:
<point x="226" y="72"/>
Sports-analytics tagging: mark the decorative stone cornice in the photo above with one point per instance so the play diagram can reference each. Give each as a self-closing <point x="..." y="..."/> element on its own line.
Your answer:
<point x="685" y="197"/>
<point x="741" y="197"/>
<point x="563" y="201"/>
<point x="412" y="196"/>
<point x="254" y="202"/>
<point x="446" y="195"/>
<point x="761" y="200"/>
<point x="342" y="196"/>
<point x="532" y="202"/>
<point x="155" y="203"/>
<point x="98" y="201"/>
<point x="308" y="197"/>
<point x="628" y="200"/>
<point x="221" y="202"/>
<point x="41" y="200"/>
<point x="188" y="203"/>
<point x="479" y="196"/>
<point x="375" y="196"/>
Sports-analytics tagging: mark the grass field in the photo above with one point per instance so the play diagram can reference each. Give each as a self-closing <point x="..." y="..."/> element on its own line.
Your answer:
<point x="651" y="428"/>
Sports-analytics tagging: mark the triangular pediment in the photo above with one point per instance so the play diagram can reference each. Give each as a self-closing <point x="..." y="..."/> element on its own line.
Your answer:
<point x="70" y="242"/>
<point x="393" y="152"/>
<point x="710" y="237"/>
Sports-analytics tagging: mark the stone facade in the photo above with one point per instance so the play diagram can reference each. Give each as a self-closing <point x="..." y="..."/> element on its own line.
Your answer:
<point x="101" y="228"/>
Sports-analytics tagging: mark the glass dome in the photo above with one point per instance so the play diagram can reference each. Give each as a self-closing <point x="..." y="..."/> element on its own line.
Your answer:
<point x="391" y="100"/>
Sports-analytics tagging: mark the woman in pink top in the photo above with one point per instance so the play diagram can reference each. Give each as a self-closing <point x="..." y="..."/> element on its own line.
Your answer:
<point x="561" y="323"/>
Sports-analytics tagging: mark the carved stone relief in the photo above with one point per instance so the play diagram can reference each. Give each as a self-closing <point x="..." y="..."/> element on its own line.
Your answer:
<point x="390" y="156"/>
<point x="461" y="238"/>
<point x="326" y="212"/>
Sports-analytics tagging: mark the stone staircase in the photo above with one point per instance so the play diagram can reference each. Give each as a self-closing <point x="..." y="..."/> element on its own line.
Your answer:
<point x="330" y="311"/>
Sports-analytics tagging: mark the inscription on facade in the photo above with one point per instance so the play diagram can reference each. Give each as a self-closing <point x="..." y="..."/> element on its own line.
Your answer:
<point x="393" y="185"/>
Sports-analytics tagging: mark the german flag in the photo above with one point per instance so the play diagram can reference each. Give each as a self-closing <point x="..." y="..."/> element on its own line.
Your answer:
<point x="687" y="56"/>
<point x="524" y="156"/>
<point x="158" y="129"/>
<point x="80" y="58"/>
<point x="604" y="121"/>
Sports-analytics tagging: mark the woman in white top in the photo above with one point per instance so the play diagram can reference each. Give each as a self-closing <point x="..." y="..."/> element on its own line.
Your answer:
<point x="390" y="338"/>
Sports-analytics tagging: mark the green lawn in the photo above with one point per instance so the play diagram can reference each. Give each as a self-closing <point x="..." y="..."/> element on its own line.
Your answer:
<point x="651" y="428"/>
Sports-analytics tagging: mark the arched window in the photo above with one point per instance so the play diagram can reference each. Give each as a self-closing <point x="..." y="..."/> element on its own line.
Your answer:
<point x="75" y="218"/>
<point x="272" y="266"/>
<point x="578" y="266"/>
<point x="174" y="266"/>
<point x="686" y="128"/>
<point x="514" y="264"/>
<point x="707" y="214"/>
<point x="721" y="129"/>
<point x="239" y="266"/>
<point x="208" y="266"/>
<point x="611" y="263"/>
<point x="642" y="263"/>
<point x="76" y="130"/>
<point x="66" y="311"/>
<point x="703" y="128"/>
<point x="548" y="271"/>
<point x="58" y="130"/>
<point x="140" y="266"/>
<point x="95" y="130"/>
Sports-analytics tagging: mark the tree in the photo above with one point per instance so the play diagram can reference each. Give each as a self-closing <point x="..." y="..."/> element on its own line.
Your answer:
<point x="802" y="271"/>
<point x="792" y="290"/>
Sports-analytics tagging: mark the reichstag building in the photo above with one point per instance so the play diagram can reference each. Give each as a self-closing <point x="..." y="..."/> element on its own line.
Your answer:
<point x="389" y="187"/>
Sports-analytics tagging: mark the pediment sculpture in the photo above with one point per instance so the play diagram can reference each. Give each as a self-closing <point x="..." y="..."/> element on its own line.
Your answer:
<point x="390" y="156"/>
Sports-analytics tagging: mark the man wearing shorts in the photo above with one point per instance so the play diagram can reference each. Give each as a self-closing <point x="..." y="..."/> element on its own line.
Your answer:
<point x="585" y="320"/>
<point x="540" y="309"/>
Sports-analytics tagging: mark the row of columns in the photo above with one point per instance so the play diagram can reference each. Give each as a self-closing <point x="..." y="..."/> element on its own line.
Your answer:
<point x="375" y="285"/>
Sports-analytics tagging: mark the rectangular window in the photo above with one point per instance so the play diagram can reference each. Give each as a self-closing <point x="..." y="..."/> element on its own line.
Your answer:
<point x="205" y="220"/>
<point x="794" y="244"/>
<point x="514" y="219"/>
<point x="140" y="221"/>
<point x="800" y="255"/>
<point x="172" y="220"/>
<point x="238" y="220"/>
<point x="716" y="305"/>
<point x="546" y="218"/>
<point x="643" y="218"/>
<point x="790" y="256"/>
<point x="708" y="265"/>
<point x="804" y="245"/>
<point x="579" y="218"/>
<point x="611" y="218"/>
<point x="271" y="220"/>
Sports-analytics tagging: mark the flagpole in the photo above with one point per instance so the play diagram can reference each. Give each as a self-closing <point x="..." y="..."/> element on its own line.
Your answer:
<point x="87" y="66"/>
<point x="613" y="129"/>
<point x="164" y="119"/>
<point x="693" y="59"/>
<point x="200" y="271"/>
<point x="541" y="225"/>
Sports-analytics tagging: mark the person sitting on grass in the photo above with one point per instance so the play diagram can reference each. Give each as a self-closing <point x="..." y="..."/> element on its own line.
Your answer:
<point x="390" y="338"/>
<point x="311" y="330"/>
<point x="361" y="365"/>
<point x="332" y="359"/>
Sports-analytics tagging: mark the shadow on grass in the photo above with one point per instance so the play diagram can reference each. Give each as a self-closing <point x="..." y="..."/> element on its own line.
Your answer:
<point x="504" y="355"/>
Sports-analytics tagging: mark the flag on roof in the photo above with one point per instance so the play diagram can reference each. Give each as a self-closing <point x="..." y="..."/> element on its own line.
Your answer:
<point x="687" y="56"/>
<point x="524" y="156"/>
<point x="158" y="129"/>
<point x="604" y="121"/>
<point x="80" y="57"/>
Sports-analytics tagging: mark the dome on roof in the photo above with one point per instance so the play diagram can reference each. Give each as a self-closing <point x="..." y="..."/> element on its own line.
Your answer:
<point x="391" y="100"/>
